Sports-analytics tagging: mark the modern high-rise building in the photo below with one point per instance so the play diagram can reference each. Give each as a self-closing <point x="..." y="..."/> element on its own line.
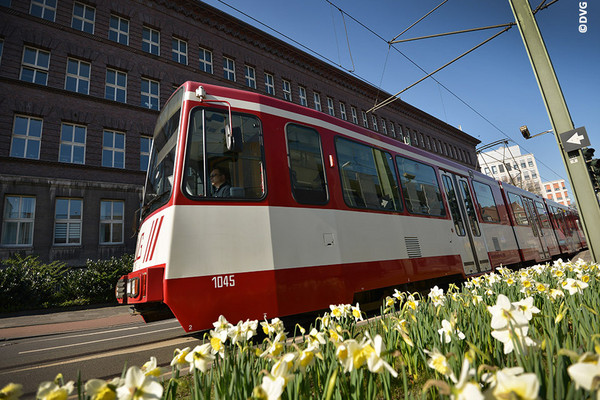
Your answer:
<point x="507" y="164"/>
<point x="82" y="84"/>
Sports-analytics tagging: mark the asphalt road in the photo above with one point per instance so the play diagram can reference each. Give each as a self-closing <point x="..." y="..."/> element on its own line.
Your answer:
<point x="94" y="352"/>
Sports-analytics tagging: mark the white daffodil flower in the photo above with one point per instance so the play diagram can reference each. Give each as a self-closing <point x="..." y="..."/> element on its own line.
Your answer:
<point x="523" y="387"/>
<point x="179" y="361"/>
<point x="527" y="308"/>
<point x="437" y="296"/>
<point x="505" y="313"/>
<point x="151" y="367"/>
<point x="439" y="362"/>
<point x="356" y="313"/>
<point x="373" y="348"/>
<point x="574" y="286"/>
<point x="99" y="389"/>
<point x="586" y="372"/>
<point x="465" y="388"/>
<point x="200" y="358"/>
<point x="138" y="386"/>
<point x="217" y="341"/>
<point x="346" y="352"/>
<point x="53" y="391"/>
<point x="447" y="330"/>
<point x="512" y="335"/>
<point x="12" y="391"/>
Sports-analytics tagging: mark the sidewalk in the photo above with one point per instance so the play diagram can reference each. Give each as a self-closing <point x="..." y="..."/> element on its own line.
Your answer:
<point x="47" y="322"/>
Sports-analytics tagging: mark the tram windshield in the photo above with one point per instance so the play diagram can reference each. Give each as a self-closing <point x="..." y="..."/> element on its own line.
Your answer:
<point x="159" y="180"/>
<point x="214" y="169"/>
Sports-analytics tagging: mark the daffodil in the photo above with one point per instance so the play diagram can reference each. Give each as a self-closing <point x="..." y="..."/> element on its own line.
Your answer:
<point x="139" y="386"/>
<point x="437" y="296"/>
<point x="217" y="341"/>
<point x="512" y="335"/>
<point x="315" y="339"/>
<point x="513" y="386"/>
<point x="273" y="328"/>
<point x="54" y="390"/>
<point x="574" y="286"/>
<point x="348" y="354"/>
<point x="222" y="323"/>
<point x="151" y="368"/>
<point x="179" y="361"/>
<point x="276" y="346"/>
<point x="447" y="330"/>
<point x="527" y="308"/>
<point x="200" y="358"/>
<point x="270" y="389"/>
<point x="12" y="391"/>
<point x="356" y="313"/>
<point x="505" y="313"/>
<point x="373" y="350"/>
<point x="465" y="388"/>
<point x="586" y="372"/>
<point x="99" y="389"/>
<point x="439" y="362"/>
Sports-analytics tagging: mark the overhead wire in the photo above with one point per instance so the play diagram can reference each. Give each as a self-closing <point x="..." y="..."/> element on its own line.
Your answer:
<point x="310" y="50"/>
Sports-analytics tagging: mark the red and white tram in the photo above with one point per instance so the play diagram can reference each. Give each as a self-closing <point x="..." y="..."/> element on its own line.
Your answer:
<point x="314" y="211"/>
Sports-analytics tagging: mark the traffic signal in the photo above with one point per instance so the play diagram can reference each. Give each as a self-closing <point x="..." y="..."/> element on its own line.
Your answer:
<point x="525" y="132"/>
<point x="593" y="167"/>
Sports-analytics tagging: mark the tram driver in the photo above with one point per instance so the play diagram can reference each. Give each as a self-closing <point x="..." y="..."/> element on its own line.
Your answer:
<point x="220" y="183"/>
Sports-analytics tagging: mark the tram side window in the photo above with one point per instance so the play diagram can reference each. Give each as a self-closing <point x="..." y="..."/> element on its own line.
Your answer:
<point x="454" y="207"/>
<point x="241" y="171"/>
<point x="420" y="188"/>
<point x="518" y="209"/>
<point x="542" y="214"/>
<point x="307" y="174"/>
<point x="486" y="202"/>
<point x="368" y="176"/>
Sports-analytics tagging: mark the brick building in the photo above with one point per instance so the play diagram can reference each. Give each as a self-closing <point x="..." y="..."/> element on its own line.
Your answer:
<point x="83" y="82"/>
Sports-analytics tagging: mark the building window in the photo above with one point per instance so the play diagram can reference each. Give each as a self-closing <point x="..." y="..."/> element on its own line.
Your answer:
<point x="118" y="30"/>
<point x="317" y="98"/>
<point x="343" y="112"/>
<point x="145" y="145"/>
<point x="34" y="67"/>
<point x="228" y="69"/>
<point x="365" y="119"/>
<point x="78" y="76"/>
<point x="374" y="121"/>
<point x="26" y="138"/>
<point x="150" y="94"/>
<point x="530" y="163"/>
<point x="113" y="149"/>
<point x="494" y="170"/>
<point x="83" y="17"/>
<point x="17" y="224"/>
<point x="111" y="221"/>
<point x="116" y="85"/>
<point x="383" y="126"/>
<point x="206" y="61"/>
<point x="330" y="108"/>
<point x="393" y="130"/>
<point x="302" y="96"/>
<point x="354" y="115"/>
<point x="287" y="90"/>
<point x="179" y="51"/>
<point x="44" y="9"/>
<point x="250" y="75"/>
<point x="151" y="41"/>
<point x="269" y="84"/>
<point x="67" y="221"/>
<point x="72" y="143"/>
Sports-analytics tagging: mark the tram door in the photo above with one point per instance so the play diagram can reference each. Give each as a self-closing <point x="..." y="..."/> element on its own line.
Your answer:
<point x="536" y="226"/>
<point x="467" y="231"/>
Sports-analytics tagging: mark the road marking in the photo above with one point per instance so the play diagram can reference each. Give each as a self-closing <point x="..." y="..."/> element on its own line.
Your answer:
<point x="98" y="341"/>
<point x="146" y="347"/>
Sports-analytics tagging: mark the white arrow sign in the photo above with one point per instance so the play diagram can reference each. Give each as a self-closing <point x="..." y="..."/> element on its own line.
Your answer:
<point x="576" y="139"/>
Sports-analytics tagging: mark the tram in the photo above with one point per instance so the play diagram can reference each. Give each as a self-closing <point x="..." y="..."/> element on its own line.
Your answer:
<point x="255" y="207"/>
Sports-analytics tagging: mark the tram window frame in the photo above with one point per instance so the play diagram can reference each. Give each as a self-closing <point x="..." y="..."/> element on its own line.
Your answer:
<point x="451" y="197"/>
<point x="367" y="190"/>
<point x="196" y="175"/>
<point x="487" y="213"/>
<point x="314" y="191"/>
<point x="423" y="199"/>
<point x="542" y="214"/>
<point x="518" y="221"/>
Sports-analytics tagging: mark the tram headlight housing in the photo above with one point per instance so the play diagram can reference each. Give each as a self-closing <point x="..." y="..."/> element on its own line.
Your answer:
<point x="133" y="287"/>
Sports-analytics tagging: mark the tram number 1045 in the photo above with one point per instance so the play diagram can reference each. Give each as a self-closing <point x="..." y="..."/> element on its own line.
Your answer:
<point x="222" y="281"/>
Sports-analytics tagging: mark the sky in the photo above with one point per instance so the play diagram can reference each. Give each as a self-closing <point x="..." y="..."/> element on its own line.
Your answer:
<point x="489" y="93"/>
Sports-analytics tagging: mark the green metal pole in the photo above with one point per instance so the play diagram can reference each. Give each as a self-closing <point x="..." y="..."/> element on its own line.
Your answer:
<point x="585" y="198"/>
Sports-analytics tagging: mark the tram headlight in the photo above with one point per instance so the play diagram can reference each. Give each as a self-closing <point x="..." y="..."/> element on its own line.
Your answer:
<point x="133" y="287"/>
